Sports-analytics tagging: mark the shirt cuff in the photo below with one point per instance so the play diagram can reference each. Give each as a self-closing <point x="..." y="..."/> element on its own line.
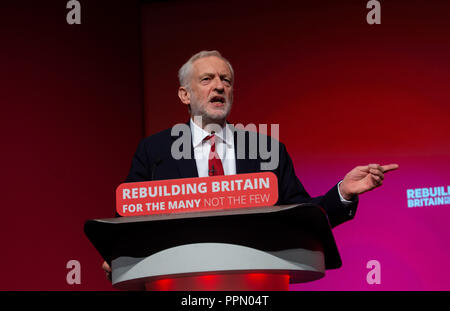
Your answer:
<point x="344" y="201"/>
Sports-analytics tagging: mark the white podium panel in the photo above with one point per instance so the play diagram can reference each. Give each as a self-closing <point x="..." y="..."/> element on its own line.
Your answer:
<point x="302" y="265"/>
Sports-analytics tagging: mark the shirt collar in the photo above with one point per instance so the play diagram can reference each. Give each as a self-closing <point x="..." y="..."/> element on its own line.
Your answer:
<point x="199" y="134"/>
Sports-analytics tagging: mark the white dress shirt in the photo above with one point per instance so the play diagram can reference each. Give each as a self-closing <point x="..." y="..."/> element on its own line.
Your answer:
<point x="224" y="141"/>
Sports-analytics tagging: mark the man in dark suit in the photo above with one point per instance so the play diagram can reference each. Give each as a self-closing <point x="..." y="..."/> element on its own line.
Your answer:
<point x="206" y="88"/>
<point x="154" y="160"/>
<point x="211" y="146"/>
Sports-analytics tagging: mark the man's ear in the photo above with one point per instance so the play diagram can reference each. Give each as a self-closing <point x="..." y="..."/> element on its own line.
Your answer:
<point x="184" y="95"/>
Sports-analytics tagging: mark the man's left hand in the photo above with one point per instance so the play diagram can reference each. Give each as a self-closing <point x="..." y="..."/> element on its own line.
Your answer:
<point x="364" y="178"/>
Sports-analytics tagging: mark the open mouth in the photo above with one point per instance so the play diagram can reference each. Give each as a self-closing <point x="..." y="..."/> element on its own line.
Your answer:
<point x="217" y="100"/>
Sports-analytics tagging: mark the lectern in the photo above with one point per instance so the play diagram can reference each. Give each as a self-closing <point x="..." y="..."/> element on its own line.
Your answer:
<point x="263" y="248"/>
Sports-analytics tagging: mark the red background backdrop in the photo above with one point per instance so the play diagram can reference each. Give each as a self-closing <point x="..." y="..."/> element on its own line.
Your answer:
<point x="345" y="93"/>
<point x="71" y="99"/>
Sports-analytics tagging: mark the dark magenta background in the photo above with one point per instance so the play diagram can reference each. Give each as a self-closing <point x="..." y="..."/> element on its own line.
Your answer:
<point x="74" y="100"/>
<point x="71" y="99"/>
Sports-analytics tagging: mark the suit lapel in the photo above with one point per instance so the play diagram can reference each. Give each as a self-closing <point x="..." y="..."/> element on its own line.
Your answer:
<point x="244" y="165"/>
<point x="187" y="167"/>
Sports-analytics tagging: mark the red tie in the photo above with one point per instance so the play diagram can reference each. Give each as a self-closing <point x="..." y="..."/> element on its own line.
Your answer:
<point x="215" y="167"/>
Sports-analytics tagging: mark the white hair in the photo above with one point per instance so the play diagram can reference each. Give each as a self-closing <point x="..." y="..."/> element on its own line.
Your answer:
<point x="185" y="70"/>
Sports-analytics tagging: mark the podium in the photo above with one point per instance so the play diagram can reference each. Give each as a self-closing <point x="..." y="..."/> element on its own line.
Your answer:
<point x="241" y="249"/>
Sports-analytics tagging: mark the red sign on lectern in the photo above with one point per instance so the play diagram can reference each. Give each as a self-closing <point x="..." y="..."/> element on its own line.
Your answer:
<point x="197" y="194"/>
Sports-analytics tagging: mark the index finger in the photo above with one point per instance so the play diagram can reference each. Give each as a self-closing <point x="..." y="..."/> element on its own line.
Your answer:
<point x="389" y="167"/>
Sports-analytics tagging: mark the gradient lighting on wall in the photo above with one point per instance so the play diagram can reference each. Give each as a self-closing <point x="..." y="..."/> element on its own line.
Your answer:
<point x="345" y="93"/>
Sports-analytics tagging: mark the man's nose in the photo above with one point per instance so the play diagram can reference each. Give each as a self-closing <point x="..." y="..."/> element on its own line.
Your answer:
<point x="219" y="85"/>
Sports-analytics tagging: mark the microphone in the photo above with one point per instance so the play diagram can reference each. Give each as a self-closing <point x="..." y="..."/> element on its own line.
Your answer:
<point x="211" y="171"/>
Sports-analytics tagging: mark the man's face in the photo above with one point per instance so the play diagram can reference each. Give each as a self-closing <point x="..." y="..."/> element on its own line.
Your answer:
<point x="210" y="91"/>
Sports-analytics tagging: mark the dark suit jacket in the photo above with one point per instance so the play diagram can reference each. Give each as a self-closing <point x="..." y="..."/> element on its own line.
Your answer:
<point x="153" y="161"/>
